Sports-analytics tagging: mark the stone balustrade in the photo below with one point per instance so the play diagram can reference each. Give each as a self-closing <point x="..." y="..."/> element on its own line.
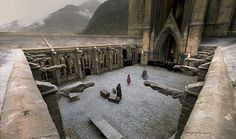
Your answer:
<point x="24" y="113"/>
<point x="213" y="115"/>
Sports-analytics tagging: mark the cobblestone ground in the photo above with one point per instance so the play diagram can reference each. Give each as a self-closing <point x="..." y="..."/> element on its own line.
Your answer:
<point x="142" y="113"/>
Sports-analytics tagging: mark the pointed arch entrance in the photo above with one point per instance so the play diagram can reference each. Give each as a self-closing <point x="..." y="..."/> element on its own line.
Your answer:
<point x="166" y="47"/>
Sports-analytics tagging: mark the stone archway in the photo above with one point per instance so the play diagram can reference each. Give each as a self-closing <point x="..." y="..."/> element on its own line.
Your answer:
<point x="124" y="53"/>
<point x="167" y="47"/>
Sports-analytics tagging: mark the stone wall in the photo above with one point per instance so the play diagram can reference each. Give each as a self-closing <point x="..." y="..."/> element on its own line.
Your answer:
<point x="58" y="65"/>
<point x="219" y="17"/>
<point x="24" y="113"/>
<point x="213" y="115"/>
<point x="233" y="25"/>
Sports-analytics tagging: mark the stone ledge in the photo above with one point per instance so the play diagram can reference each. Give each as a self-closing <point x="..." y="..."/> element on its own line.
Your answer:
<point x="24" y="113"/>
<point x="212" y="115"/>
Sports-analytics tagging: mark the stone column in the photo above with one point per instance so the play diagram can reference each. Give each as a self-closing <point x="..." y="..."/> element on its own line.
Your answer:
<point x="196" y="26"/>
<point x="152" y="43"/>
<point x="225" y="16"/>
<point x="78" y="63"/>
<point x="110" y="58"/>
<point x="135" y="17"/>
<point x="146" y="32"/>
<point x="188" y="6"/>
<point x="120" y="57"/>
<point x="56" y="73"/>
<point x="95" y="60"/>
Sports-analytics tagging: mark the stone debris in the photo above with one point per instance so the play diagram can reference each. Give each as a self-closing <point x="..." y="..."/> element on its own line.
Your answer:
<point x="193" y="62"/>
<point x="46" y="87"/>
<point x="80" y="88"/>
<point x="187" y="69"/>
<point x="166" y="90"/>
<point x="34" y="65"/>
<point x="73" y="97"/>
<point x="188" y="101"/>
<point x="53" y="68"/>
<point x="104" y="93"/>
<point x="203" y="69"/>
<point x="72" y="92"/>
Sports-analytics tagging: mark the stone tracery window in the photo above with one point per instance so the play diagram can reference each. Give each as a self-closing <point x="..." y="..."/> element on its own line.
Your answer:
<point x="68" y="63"/>
<point x="45" y="75"/>
<point x="115" y="57"/>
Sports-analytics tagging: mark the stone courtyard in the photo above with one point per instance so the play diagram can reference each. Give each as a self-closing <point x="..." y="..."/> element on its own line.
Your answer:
<point x="142" y="112"/>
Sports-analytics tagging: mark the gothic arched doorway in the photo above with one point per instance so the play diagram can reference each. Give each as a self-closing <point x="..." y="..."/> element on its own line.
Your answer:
<point x="166" y="49"/>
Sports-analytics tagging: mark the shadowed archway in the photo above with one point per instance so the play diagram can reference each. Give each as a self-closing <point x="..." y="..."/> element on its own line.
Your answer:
<point x="166" y="47"/>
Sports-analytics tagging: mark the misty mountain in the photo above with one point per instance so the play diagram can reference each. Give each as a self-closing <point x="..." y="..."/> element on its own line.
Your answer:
<point x="68" y="19"/>
<point x="111" y="18"/>
<point x="13" y="26"/>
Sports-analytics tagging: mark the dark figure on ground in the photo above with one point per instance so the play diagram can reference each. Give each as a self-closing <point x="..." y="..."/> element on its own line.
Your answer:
<point x="128" y="79"/>
<point x="144" y="74"/>
<point x="118" y="91"/>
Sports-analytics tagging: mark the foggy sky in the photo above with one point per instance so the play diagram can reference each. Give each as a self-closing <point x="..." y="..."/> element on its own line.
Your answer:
<point x="29" y="11"/>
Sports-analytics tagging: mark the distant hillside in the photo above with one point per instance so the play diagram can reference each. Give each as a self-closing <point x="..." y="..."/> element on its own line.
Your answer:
<point x="68" y="19"/>
<point x="65" y="20"/>
<point x="111" y="18"/>
<point x="13" y="26"/>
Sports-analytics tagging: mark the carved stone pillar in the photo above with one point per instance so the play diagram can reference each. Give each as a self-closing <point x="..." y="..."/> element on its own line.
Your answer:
<point x="146" y="32"/>
<point x="110" y="58"/>
<point x="78" y="63"/>
<point x="120" y="57"/>
<point x="56" y="73"/>
<point x="95" y="60"/>
<point x="196" y="26"/>
<point x="226" y="12"/>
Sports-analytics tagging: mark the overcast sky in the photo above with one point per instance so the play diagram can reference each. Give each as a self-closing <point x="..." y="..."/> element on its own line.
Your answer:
<point x="29" y="11"/>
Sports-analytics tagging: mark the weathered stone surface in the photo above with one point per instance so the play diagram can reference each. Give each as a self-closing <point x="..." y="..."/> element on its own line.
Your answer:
<point x="80" y="88"/>
<point x="53" y="68"/>
<point x="166" y="90"/>
<point x="24" y="111"/>
<point x="104" y="93"/>
<point x="201" y="56"/>
<point x="205" y="66"/>
<point x="33" y="65"/>
<point x="213" y="117"/>
<point x="203" y="69"/>
<point x="29" y="58"/>
<point x="46" y="86"/>
<point x="107" y="130"/>
<point x="186" y="69"/>
<point x="205" y="52"/>
<point x="140" y="106"/>
<point x="36" y="60"/>
<point x="193" y="62"/>
<point x="73" y="96"/>
<point x="208" y="59"/>
<point x="50" y="96"/>
<point x="114" y="99"/>
<point x="194" y="89"/>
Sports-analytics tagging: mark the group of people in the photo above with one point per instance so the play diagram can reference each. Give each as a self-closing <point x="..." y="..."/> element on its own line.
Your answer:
<point x="118" y="87"/>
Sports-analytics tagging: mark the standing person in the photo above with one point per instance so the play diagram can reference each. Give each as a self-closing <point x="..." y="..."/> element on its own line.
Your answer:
<point x="118" y="91"/>
<point x="128" y="79"/>
<point x="144" y="74"/>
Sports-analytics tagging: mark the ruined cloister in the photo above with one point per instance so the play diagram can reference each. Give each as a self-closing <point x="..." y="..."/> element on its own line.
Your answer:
<point x="77" y="62"/>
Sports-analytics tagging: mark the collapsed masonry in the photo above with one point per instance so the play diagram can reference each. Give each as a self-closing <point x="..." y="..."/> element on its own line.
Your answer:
<point x="197" y="65"/>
